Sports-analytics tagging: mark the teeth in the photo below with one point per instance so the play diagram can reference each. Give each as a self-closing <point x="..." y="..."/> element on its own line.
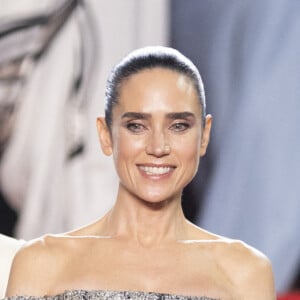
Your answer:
<point x="155" y="170"/>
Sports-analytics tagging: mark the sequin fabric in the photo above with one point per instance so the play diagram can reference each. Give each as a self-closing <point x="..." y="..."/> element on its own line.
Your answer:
<point x="110" y="295"/>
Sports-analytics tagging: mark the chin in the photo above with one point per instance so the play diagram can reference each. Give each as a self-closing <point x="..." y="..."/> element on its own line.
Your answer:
<point x="157" y="199"/>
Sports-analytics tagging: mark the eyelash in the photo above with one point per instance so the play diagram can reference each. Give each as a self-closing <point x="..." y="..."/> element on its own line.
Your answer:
<point x="180" y="126"/>
<point x="135" y="127"/>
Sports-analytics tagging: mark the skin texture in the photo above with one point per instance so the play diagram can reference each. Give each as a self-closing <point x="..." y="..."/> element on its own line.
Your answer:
<point x="144" y="242"/>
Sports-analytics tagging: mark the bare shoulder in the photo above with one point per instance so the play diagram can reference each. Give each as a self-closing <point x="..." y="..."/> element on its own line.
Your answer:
<point x="34" y="266"/>
<point x="249" y="269"/>
<point x="37" y="266"/>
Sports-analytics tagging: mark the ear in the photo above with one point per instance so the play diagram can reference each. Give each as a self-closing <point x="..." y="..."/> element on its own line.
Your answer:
<point x="104" y="136"/>
<point x="205" y="135"/>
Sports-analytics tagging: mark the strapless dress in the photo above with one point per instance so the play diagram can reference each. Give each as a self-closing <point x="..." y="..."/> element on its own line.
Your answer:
<point x="110" y="295"/>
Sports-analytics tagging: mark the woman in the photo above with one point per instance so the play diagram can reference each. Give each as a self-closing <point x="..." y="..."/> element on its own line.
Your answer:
<point x="156" y="129"/>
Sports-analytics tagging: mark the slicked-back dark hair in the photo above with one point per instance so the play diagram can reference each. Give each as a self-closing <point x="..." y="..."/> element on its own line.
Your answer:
<point x="149" y="58"/>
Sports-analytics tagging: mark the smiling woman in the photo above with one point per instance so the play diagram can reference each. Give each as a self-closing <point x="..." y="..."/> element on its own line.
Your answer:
<point x="156" y="129"/>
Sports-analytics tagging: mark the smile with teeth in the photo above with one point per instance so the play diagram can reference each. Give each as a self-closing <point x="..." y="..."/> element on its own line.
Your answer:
<point x="156" y="170"/>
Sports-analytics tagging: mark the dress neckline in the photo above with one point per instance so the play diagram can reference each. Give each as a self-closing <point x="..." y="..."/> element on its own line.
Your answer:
<point x="110" y="295"/>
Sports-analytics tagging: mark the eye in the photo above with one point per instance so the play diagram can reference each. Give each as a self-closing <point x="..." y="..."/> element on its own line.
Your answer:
<point x="180" y="126"/>
<point x="135" y="127"/>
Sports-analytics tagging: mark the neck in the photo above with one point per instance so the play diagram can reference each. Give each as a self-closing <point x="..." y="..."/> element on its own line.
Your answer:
<point x="147" y="224"/>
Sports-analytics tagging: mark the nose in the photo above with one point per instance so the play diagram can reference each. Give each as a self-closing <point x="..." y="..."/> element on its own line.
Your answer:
<point x="157" y="144"/>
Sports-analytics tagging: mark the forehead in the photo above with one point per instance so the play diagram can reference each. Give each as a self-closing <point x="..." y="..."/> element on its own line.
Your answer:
<point x="159" y="89"/>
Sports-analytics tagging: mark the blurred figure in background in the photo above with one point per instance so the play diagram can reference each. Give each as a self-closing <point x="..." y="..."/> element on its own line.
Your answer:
<point x="249" y="54"/>
<point x="47" y="69"/>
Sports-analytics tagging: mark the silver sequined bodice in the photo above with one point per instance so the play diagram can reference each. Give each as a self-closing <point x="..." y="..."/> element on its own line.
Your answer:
<point x="110" y="295"/>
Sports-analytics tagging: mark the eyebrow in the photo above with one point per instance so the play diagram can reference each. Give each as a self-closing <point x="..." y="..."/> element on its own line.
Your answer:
<point x="136" y="115"/>
<point x="180" y="115"/>
<point x="146" y="116"/>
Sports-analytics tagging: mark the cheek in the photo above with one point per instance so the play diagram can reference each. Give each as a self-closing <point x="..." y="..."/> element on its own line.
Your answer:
<point x="126" y="147"/>
<point x="188" y="151"/>
<point x="189" y="146"/>
<point x="191" y="154"/>
<point x="192" y="159"/>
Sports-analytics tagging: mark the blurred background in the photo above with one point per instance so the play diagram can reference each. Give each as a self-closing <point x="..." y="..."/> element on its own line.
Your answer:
<point x="55" y="56"/>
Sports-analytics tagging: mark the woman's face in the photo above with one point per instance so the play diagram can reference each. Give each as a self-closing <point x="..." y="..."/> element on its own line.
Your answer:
<point x="156" y="135"/>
